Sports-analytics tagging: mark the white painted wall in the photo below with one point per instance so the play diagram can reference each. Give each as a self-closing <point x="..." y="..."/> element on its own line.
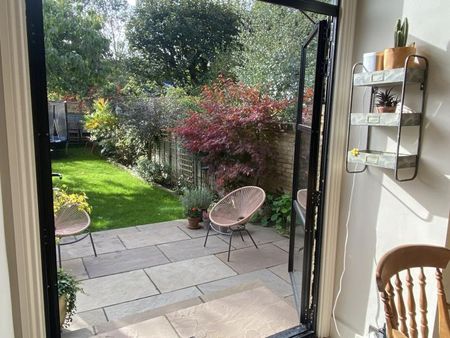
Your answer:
<point x="386" y="213"/>
<point x="6" y="321"/>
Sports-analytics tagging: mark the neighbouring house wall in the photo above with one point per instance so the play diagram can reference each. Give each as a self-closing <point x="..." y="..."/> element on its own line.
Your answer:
<point x="383" y="212"/>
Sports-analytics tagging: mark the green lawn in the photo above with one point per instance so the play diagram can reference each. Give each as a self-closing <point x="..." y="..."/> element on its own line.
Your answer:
<point x="118" y="198"/>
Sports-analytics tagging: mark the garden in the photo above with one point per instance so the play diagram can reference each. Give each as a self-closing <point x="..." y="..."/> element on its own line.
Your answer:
<point x="223" y="84"/>
<point x="217" y="81"/>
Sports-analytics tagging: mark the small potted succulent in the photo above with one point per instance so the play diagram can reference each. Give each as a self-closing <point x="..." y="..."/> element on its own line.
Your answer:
<point x="386" y="102"/>
<point x="395" y="57"/>
<point x="67" y="293"/>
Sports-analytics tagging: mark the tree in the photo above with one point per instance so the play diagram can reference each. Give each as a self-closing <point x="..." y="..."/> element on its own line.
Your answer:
<point x="75" y="48"/>
<point x="115" y="15"/>
<point x="271" y="52"/>
<point x="178" y="41"/>
<point x="234" y="131"/>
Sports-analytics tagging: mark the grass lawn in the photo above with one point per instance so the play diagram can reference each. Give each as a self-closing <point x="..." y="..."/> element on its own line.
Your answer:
<point x="118" y="198"/>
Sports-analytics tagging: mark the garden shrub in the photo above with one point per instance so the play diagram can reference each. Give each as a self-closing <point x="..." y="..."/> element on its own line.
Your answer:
<point x="154" y="172"/>
<point x="62" y="196"/>
<point x="234" y="131"/>
<point x="277" y="212"/>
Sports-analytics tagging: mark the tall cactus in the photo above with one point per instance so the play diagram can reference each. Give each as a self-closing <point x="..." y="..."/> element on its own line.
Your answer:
<point x="401" y="33"/>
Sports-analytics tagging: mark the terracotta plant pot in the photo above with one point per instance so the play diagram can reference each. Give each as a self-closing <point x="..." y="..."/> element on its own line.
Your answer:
<point x="62" y="309"/>
<point x="396" y="57"/>
<point x="193" y="223"/>
<point x="383" y="109"/>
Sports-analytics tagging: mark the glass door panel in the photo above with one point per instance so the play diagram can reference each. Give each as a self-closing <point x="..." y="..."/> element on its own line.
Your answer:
<point x="306" y="180"/>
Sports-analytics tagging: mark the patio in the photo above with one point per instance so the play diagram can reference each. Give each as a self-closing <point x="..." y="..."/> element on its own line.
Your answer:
<point x="150" y="266"/>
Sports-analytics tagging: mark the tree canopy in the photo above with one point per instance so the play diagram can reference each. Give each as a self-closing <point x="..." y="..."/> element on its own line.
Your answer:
<point x="271" y="49"/>
<point x="75" y="48"/>
<point x="179" y="41"/>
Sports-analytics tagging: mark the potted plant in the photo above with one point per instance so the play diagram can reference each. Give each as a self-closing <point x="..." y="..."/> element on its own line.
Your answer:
<point x="67" y="293"/>
<point x="386" y="102"/>
<point x="205" y="199"/>
<point x="192" y="208"/>
<point x="395" y="57"/>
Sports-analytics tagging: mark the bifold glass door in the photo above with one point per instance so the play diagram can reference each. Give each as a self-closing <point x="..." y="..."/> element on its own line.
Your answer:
<point x="307" y="181"/>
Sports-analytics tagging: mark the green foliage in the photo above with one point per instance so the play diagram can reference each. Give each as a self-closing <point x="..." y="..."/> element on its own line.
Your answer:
<point x="101" y="122"/>
<point x="75" y="48"/>
<point x="178" y="41"/>
<point x="271" y="50"/>
<point x="183" y="183"/>
<point x="401" y="33"/>
<point x="153" y="172"/>
<point x="68" y="287"/>
<point x="195" y="200"/>
<point x="278" y="212"/>
<point x="118" y="198"/>
<point x="62" y="196"/>
<point x="126" y="145"/>
<point x="117" y="137"/>
<point x="384" y="98"/>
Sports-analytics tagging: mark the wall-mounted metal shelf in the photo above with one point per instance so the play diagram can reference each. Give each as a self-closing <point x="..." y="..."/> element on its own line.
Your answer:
<point x="383" y="159"/>
<point x="386" y="119"/>
<point x="358" y="161"/>
<point x="389" y="77"/>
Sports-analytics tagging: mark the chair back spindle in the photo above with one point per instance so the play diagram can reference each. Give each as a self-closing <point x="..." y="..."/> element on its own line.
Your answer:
<point x="400" y="305"/>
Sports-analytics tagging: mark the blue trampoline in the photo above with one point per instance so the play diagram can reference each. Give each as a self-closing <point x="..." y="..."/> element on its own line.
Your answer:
<point x="57" y="119"/>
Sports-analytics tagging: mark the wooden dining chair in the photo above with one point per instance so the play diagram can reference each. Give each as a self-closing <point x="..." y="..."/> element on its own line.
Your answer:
<point x="399" y="301"/>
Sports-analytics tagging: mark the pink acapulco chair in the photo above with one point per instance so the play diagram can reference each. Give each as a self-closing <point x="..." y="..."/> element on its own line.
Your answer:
<point x="234" y="211"/>
<point x="71" y="221"/>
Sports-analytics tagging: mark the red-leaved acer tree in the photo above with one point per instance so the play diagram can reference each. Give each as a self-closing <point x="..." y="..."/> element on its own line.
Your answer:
<point x="234" y="131"/>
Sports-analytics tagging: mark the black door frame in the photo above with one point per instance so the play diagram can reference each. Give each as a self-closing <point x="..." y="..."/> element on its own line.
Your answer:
<point x="38" y="84"/>
<point x="39" y="105"/>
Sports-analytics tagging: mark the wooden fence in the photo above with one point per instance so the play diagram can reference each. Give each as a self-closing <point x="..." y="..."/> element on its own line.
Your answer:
<point x="182" y="163"/>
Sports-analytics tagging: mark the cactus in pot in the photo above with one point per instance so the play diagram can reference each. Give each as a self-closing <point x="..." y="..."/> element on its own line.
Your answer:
<point x="401" y="33"/>
<point x="396" y="57"/>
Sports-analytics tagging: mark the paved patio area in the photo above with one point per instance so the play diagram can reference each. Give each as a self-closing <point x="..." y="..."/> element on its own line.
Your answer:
<point x="145" y="267"/>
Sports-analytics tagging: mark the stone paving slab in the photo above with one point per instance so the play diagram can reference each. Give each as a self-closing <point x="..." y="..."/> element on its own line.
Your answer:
<point x="193" y="248"/>
<point x="83" y="248"/>
<point x="113" y="289"/>
<point x="266" y="277"/>
<point x="253" y="313"/>
<point x="252" y="259"/>
<point x="153" y="236"/>
<point x="114" y="232"/>
<point x="140" y="305"/>
<point x="195" y="233"/>
<point x="281" y="271"/>
<point x="122" y="261"/>
<point x="260" y="234"/>
<point x="88" y="318"/>
<point x="178" y="275"/>
<point x="153" y="328"/>
<point x="159" y="225"/>
<point x="76" y="268"/>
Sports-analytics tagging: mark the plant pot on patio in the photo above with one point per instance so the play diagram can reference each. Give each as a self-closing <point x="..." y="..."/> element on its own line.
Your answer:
<point x="62" y="309"/>
<point x="193" y="222"/>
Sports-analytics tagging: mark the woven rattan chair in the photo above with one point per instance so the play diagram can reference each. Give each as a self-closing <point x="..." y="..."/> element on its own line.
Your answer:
<point x="399" y="301"/>
<point x="235" y="210"/>
<point x="71" y="221"/>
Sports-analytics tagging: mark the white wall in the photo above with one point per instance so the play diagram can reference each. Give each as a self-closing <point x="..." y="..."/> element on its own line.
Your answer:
<point x="6" y="322"/>
<point x="386" y="213"/>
